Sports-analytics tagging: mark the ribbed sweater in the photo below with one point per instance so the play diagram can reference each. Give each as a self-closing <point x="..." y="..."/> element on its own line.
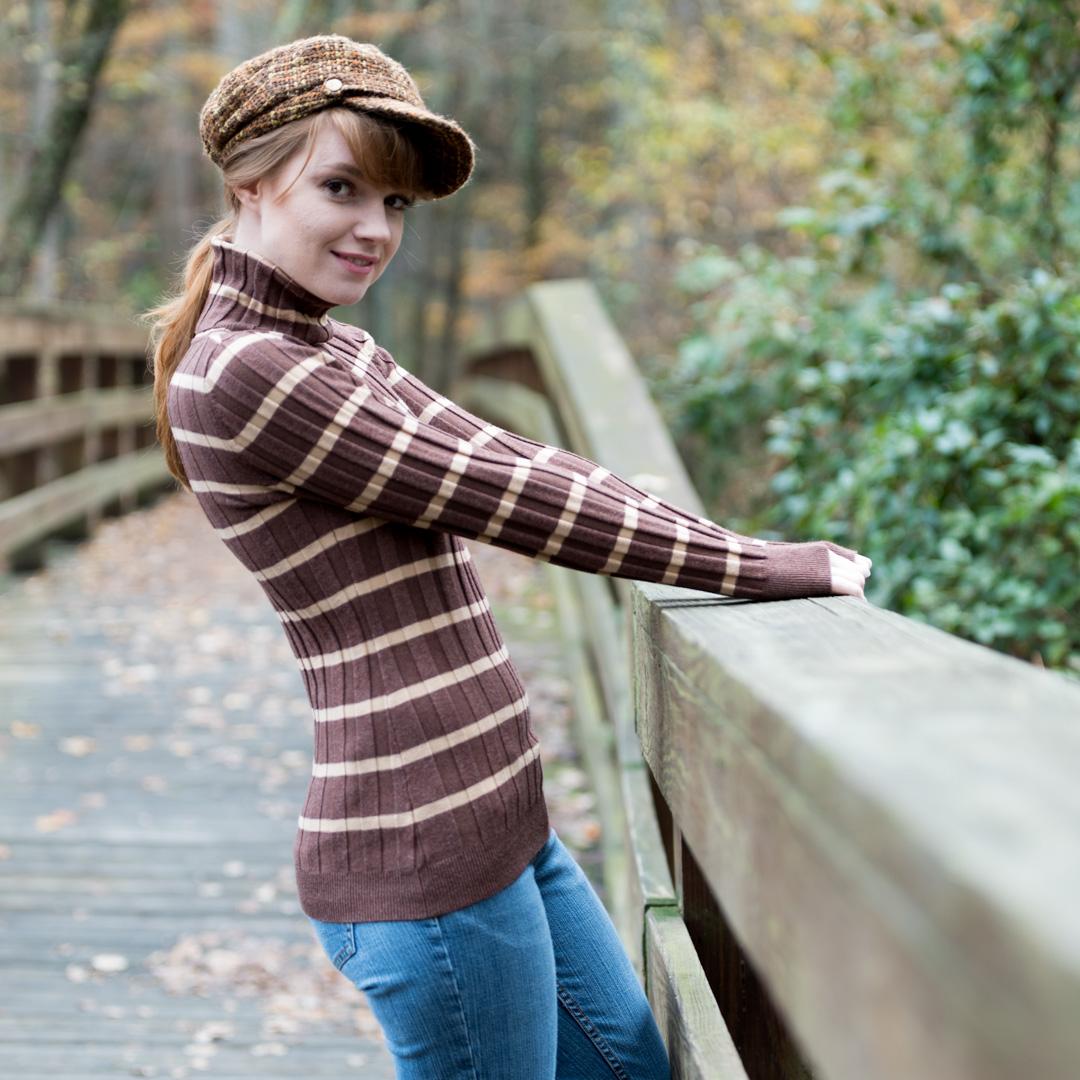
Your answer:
<point x="345" y="485"/>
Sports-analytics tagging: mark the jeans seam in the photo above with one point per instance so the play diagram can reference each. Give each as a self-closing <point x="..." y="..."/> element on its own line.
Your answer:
<point x="592" y="1032"/>
<point x="462" y="1018"/>
<point x="348" y="950"/>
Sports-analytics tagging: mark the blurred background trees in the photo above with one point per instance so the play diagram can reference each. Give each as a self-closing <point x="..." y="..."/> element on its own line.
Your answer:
<point x="840" y="235"/>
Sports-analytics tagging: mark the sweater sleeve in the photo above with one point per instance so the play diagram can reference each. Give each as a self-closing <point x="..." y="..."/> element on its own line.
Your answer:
<point x="271" y="412"/>
<point x="428" y="404"/>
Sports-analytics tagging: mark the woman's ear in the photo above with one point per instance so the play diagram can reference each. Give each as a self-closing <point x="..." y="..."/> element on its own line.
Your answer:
<point x="249" y="196"/>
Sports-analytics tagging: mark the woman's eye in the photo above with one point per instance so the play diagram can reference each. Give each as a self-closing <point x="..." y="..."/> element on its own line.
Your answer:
<point x="399" y="202"/>
<point x="338" y="187"/>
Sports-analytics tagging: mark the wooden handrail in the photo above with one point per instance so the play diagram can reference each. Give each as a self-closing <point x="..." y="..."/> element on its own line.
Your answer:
<point x="75" y="423"/>
<point x="876" y="821"/>
<point x="33" y="424"/>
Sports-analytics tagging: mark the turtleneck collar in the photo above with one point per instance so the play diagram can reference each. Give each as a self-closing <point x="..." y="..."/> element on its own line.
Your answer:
<point x="249" y="293"/>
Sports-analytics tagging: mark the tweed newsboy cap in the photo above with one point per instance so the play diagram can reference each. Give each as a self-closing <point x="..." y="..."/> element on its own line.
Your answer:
<point x="304" y="77"/>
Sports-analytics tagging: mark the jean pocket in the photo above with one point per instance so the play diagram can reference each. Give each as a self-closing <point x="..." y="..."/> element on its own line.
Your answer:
<point x="338" y="941"/>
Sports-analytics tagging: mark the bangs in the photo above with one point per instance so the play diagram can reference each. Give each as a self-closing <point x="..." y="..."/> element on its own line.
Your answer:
<point x="383" y="153"/>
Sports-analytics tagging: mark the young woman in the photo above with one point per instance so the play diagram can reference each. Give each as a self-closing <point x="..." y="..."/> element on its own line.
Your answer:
<point x="424" y="856"/>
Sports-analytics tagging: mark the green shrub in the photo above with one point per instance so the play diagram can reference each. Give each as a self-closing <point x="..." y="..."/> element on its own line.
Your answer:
<point x="939" y="435"/>
<point x="915" y="375"/>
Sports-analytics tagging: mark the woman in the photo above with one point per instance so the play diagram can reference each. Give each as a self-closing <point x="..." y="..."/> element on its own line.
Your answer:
<point x="424" y="856"/>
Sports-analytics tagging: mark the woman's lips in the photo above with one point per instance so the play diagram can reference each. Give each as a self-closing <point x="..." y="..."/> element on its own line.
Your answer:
<point x="357" y="264"/>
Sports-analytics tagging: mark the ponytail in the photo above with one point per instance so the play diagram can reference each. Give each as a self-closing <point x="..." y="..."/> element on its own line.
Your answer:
<point x="172" y="326"/>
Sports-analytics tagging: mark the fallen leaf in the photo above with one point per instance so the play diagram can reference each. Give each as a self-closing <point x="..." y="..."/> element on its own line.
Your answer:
<point x="139" y="674"/>
<point x="222" y="961"/>
<point x="214" y="1030"/>
<point x="264" y="894"/>
<point x="58" y="819"/>
<point x="109" y="963"/>
<point x="274" y="1049"/>
<point x="78" y="745"/>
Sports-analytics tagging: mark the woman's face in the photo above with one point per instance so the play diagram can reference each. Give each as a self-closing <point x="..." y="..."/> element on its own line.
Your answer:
<point x="322" y="223"/>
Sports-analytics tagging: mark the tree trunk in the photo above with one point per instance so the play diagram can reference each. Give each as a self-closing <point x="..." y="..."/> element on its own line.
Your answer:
<point x="81" y="65"/>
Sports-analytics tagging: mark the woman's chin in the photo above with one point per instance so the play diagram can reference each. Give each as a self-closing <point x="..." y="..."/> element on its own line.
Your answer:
<point x="338" y="294"/>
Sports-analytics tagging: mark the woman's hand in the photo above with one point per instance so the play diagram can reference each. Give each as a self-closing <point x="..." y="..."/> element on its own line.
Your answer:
<point x="848" y="576"/>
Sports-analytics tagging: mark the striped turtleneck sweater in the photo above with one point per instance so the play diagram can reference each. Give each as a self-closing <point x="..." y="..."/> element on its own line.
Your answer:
<point x="345" y="486"/>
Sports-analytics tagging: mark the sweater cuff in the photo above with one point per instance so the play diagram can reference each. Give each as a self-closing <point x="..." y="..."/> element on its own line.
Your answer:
<point x="846" y="552"/>
<point x="791" y="571"/>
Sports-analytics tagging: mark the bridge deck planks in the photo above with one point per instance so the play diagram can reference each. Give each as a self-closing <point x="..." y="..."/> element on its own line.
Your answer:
<point x="154" y="750"/>
<point x="136" y="812"/>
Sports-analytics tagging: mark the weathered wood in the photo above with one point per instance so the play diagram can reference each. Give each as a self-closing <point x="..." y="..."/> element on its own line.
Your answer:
<point x="698" y="1042"/>
<point x="889" y="817"/>
<point x="599" y="393"/>
<point x="69" y="400"/>
<point x="28" y="329"/>
<point x="134" y="868"/>
<point x="761" y="1037"/>
<point x="33" y="424"/>
<point x="27" y="517"/>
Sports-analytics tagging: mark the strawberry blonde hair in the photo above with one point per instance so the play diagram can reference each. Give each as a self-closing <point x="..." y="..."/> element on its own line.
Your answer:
<point x="384" y="155"/>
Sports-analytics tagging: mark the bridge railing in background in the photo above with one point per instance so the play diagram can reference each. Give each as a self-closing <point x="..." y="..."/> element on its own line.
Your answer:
<point x="76" y="431"/>
<point x="839" y="842"/>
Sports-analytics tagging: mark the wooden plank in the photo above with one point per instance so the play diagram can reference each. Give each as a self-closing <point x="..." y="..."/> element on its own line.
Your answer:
<point x="34" y="514"/>
<point x="37" y="423"/>
<point x="890" y="819"/>
<point x="652" y="875"/>
<point x="193" y="860"/>
<point x="511" y="406"/>
<point x="599" y="393"/>
<point x="697" y="1039"/>
<point x="26" y="328"/>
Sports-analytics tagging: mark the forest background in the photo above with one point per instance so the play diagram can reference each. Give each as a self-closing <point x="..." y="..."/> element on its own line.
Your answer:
<point x="840" y="236"/>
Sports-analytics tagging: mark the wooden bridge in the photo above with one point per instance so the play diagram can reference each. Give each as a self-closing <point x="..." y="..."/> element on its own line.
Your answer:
<point x="838" y="843"/>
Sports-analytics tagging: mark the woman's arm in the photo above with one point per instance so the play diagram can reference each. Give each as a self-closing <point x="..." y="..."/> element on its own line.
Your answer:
<point x="848" y="569"/>
<point x="276" y="413"/>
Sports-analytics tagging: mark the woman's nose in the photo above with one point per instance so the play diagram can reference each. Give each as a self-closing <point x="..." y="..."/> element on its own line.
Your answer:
<point x="373" y="222"/>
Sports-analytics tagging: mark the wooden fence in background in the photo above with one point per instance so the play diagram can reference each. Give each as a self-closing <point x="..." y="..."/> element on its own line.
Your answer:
<point x="76" y="434"/>
<point x="839" y="843"/>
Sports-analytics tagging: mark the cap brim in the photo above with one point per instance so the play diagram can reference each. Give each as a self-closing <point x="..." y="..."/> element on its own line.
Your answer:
<point x="447" y="152"/>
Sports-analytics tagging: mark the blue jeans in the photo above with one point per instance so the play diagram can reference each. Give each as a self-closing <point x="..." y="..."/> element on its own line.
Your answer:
<point x="530" y="984"/>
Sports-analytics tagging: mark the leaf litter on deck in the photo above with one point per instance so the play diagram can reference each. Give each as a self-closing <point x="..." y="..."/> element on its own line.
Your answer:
<point x="180" y="620"/>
